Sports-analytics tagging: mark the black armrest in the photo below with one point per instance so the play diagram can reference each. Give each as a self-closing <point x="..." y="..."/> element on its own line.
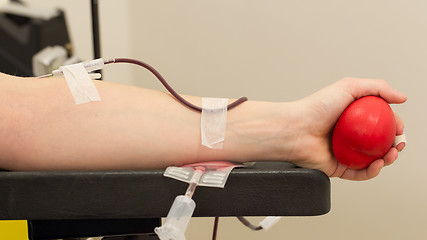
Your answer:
<point x="265" y="189"/>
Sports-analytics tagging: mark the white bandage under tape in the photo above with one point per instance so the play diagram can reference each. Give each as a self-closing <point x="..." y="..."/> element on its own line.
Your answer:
<point x="214" y="119"/>
<point x="399" y="139"/>
<point x="80" y="83"/>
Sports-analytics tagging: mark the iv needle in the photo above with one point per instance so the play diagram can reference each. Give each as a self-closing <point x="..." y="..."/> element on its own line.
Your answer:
<point x="44" y="76"/>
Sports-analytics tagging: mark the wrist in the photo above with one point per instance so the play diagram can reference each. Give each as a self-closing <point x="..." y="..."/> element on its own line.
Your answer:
<point x="262" y="131"/>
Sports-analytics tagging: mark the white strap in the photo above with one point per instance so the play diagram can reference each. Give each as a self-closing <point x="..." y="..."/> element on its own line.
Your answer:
<point x="268" y="222"/>
<point x="81" y="86"/>
<point x="399" y="139"/>
<point x="213" y="124"/>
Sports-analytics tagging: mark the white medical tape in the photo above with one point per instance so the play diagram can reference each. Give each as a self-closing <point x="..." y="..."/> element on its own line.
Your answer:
<point x="81" y="86"/>
<point x="399" y="139"/>
<point x="213" y="124"/>
<point x="268" y="222"/>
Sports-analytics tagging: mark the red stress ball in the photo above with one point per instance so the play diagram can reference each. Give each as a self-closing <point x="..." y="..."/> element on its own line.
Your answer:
<point x="364" y="132"/>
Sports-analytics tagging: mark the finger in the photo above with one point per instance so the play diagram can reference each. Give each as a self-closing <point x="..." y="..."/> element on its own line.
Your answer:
<point x="399" y="131"/>
<point x="399" y="142"/>
<point x="360" y="87"/>
<point x="399" y="124"/>
<point x="374" y="169"/>
<point x="390" y="156"/>
<point x="364" y="174"/>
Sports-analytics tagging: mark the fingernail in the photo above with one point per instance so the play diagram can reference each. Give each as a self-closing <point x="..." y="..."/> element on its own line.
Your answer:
<point x="400" y="146"/>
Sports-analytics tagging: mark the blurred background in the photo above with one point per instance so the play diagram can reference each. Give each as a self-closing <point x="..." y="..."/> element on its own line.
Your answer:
<point x="283" y="50"/>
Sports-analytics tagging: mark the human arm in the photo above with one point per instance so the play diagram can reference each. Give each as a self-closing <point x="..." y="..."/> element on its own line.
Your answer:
<point x="130" y="128"/>
<point x="134" y="128"/>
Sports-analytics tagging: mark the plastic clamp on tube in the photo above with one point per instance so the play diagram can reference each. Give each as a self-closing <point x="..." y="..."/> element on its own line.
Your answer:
<point x="210" y="174"/>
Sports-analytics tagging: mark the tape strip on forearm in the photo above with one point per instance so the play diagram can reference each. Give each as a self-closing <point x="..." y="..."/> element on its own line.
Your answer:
<point x="213" y="122"/>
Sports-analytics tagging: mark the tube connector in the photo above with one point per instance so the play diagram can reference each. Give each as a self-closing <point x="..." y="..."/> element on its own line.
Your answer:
<point x="177" y="220"/>
<point x="90" y="66"/>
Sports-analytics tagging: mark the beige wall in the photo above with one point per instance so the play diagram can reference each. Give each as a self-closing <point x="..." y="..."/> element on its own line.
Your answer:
<point x="281" y="51"/>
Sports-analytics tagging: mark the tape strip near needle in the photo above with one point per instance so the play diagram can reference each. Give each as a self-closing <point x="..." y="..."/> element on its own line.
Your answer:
<point x="81" y="86"/>
<point x="213" y="124"/>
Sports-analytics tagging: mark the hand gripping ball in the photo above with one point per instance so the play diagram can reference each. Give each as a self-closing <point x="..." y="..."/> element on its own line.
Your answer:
<point x="364" y="132"/>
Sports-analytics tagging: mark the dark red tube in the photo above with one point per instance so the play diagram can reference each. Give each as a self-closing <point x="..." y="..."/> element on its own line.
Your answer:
<point x="166" y="85"/>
